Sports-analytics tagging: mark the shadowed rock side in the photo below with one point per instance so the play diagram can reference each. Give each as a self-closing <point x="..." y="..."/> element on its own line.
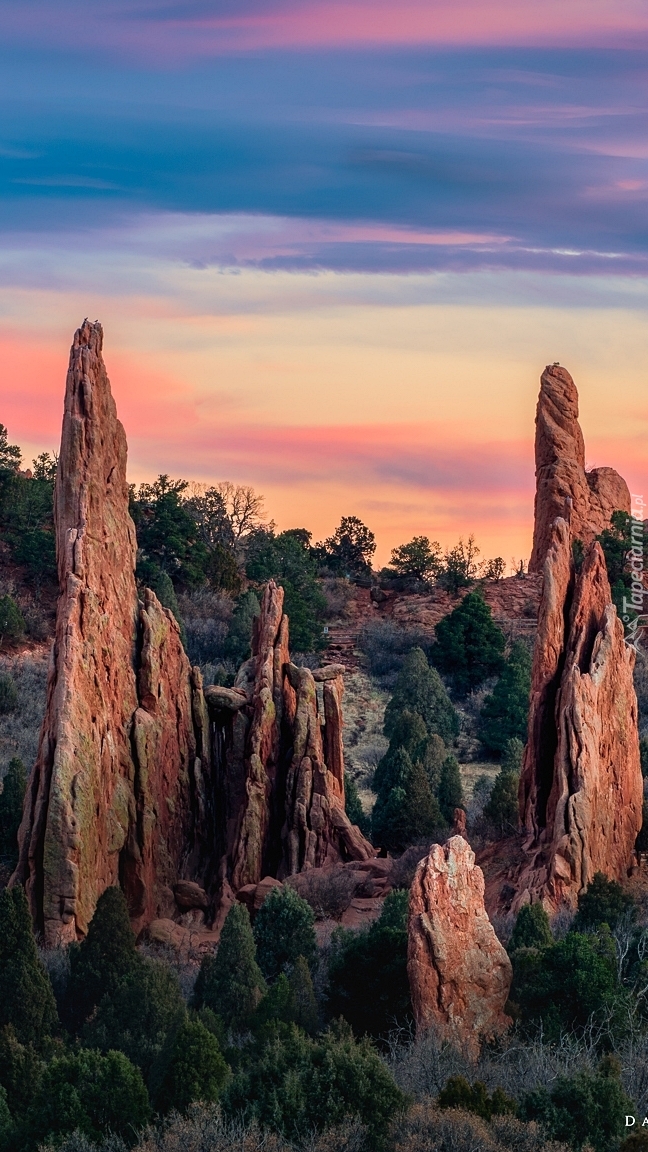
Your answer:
<point x="586" y="500"/>
<point x="459" y="973"/>
<point x="581" y="785"/>
<point x="109" y="799"/>
<point x="281" y="781"/>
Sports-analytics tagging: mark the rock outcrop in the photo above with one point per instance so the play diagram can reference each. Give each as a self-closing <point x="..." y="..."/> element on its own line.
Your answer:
<point x="585" y="500"/>
<point x="279" y="762"/>
<point x="581" y="785"/>
<point x="110" y="797"/>
<point x="459" y="973"/>
<point x="180" y="795"/>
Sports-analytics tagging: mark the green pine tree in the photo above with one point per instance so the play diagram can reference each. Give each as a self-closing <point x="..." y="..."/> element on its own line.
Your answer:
<point x="284" y="928"/>
<point x="469" y="645"/>
<point x="194" y="1068"/>
<point x="420" y="689"/>
<point x="405" y="811"/>
<point x="450" y="790"/>
<point x="304" y="1004"/>
<point x="505" y="712"/>
<point x="101" y="961"/>
<point x="26" y="998"/>
<point x="231" y="983"/>
<point x="11" y="805"/>
<point x="531" y="929"/>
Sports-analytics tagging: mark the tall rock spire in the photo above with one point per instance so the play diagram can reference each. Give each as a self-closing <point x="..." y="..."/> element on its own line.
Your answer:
<point x="585" y="500"/>
<point x="109" y="797"/>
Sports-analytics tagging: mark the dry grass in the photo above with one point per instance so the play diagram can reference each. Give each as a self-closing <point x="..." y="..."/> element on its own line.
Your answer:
<point x="19" y="729"/>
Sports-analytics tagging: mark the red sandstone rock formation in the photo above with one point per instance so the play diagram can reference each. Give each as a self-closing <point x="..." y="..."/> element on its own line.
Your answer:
<point x="459" y="973"/>
<point x="586" y="500"/>
<point x="581" y="785"/>
<point x="110" y="794"/>
<point x="282" y="780"/>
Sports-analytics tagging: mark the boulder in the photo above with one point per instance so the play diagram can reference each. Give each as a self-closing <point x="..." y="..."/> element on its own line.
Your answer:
<point x="581" y="789"/>
<point x="459" y="973"/>
<point x="585" y="500"/>
<point x="188" y="895"/>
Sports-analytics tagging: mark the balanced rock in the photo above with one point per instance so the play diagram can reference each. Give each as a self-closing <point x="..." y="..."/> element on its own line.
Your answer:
<point x="581" y="788"/>
<point x="110" y="797"/>
<point x="459" y="973"/>
<point x="585" y="500"/>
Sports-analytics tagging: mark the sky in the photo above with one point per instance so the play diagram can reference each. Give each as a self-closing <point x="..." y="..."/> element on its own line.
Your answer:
<point x="332" y="245"/>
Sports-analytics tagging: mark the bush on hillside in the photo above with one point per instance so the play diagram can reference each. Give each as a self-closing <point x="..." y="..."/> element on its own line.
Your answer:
<point x="469" y="645"/>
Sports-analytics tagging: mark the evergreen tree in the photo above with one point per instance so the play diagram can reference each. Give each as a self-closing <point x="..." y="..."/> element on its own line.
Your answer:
<point x="585" y="1110"/>
<point x="469" y="645"/>
<point x="531" y="929"/>
<point x="11" y="805"/>
<point x="21" y="1069"/>
<point x="419" y="688"/>
<point x="26" y="998"/>
<point x="139" y="1015"/>
<point x="409" y="733"/>
<point x="405" y="811"/>
<point x="288" y="559"/>
<point x="353" y="805"/>
<point x="238" y="645"/>
<point x="12" y="625"/>
<point x="502" y="809"/>
<point x="450" y="790"/>
<point x="418" y="560"/>
<point x="6" y="1121"/>
<point x="194" y="1068"/>
<point x="231" y="983"/>
<point x="284" y="928"/>
<point x="104" y="958"/>
<point x="505" y="713"/>
<point x="303" y="1002"/>
<point x="350" y="548"/>
<point x="603" y="902"/>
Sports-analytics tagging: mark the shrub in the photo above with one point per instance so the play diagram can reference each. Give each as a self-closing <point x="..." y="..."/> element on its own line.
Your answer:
<point x="565" y="985"/>
<point x="643" y="752"/>
<point x="504" y="715"/>
<point x="12" y="624"/>
<point x="329" y="891"/>
<point x="100" y="962"/>
<point x="90" y="1092"/>
<point x="21" y="1069"/>
<point x="283" y="930"/>
<point x="419" y="689"/>
<point x="11" y="806"/>
<point x="231" y="983"/>
<point x="604" y="902"/>
<point x="386" y="644"/>
<point x="469" y="645"/>
<point x="26" y="997"/>
<point x="459" y="566"/>
<point x="531" y="929"/>
<point x="588" y="1108"/>
<point x="295" y="1085"/>
<point x="458" y="1093"/>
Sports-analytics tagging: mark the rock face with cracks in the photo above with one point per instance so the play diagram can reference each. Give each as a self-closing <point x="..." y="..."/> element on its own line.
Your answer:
<point x="581" y="786"/>
<point x="280" y="761"/>
<point x="459" y="973"/>
<point x="110" y="799"/>
<point x="585" y="500"/>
